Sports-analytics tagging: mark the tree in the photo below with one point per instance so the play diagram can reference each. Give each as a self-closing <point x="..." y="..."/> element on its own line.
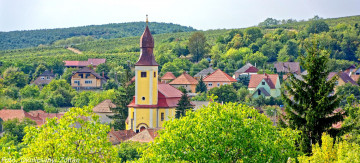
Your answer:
<point x="77" y="135"/>
<point x="317" y="26"/>
<point x="340" y="151"/>
<point x="15" y="128"/>
<point x="39" y="70"/>
<point x="68" y="74"/>
<point x="201" y="86"/>
<point x="32" y="104"/>
<point x="222" y="133"/>
<point x="183" y="105"/>
<point x="225" y="93"/>
<point x="58" y="93"/>
<point x="13" y="76"/>
<point x="347" y="90"/>
<point x="309" y="105"/>
<point x="242" y="93"/>
<point x="82" y="99"/>
<point x="197" y="45"/>
<point x="351" y="123"/>
<point x="28" y="91"/>
<point x="130" y="150"/>
<point x="104" y="67"/>
<point x="257" y="58"/>
<point x="253" y="33"/>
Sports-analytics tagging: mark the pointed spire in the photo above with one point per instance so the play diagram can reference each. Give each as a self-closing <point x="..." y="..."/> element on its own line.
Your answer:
<point x="147" y="20"/>
<point x="146" y="44"/>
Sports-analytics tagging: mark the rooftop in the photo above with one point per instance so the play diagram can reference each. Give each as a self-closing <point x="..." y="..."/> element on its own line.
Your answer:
<point x="219" y="76"/>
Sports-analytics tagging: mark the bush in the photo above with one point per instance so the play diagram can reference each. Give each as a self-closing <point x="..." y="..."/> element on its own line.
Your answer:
<point x="32" y="104"/>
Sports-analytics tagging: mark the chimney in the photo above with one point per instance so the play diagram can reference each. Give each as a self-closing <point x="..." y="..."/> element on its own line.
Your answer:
<point x="103" y="74"/>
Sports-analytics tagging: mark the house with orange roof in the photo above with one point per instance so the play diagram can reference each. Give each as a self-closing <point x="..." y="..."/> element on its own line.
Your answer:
<point x="267" y="85"/>
<point x="118" y="136"/>
<point x="186" y="81"/>
<point x="218" y="78"/>
<point x="146" y="136"/>
<point x="39" y="116"/>
<point x="167" y="77"/>
<point x="103" y="110"/>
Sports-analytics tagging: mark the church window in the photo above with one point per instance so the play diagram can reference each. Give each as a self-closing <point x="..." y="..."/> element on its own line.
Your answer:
<point x="162" y="117"/>
<point x="143" y="74"/>
<point x="143" y="98"/>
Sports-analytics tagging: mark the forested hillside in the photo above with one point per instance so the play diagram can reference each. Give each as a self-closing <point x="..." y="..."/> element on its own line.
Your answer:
<point x="32" y="38"/>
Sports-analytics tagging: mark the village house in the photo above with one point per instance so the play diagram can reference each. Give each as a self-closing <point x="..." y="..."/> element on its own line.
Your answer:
<point x="39" y="116"/>
<point x="218" y="78"/>
<point x="103" y="110"/>
<point x="81" y="64"/>
<point x="343" y="78"/>
<point x="45" y="78"/>
<point x="119" y="136"/>
<point x="287" y="67"/>
<point x="267" y="85"/>
<point x="167" y="77"/>
<point x="153" y="103"/>
<point x="186" y="81"/>
<point x="87" y="78"/>
<point x="248" y="69"/>
<point x="203" y="73"/>
<point x="146" y="136"/>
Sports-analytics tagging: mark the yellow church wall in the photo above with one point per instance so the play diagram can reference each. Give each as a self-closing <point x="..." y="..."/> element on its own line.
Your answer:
<point x="142" y="116"/>
<point x="155" y="88"/>
<point x="143" y="89"/>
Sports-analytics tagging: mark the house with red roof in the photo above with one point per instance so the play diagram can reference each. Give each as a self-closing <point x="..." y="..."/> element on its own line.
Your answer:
<point x="248" y="69"/>
<point x="81" y="64"/>
<point x="218" y="78"/>
<point x="146" y="136"/>
<point x="267" y="85"/>
<point x="167" y="77"/>
<point x="39" y="116"/>
<point x="186" y="81"/>
<point x="119" y="136"/>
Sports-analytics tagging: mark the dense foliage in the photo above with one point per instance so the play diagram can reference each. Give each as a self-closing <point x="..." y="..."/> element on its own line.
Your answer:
<point x="236" y="133"/>
<point x="31" y="38"/>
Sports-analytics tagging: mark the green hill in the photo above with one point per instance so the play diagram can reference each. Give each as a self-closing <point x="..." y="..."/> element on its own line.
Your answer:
<point x="33" y="38"/>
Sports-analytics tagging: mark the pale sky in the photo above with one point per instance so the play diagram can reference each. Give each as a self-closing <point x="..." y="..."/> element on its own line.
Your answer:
<point x="200" y="14"/>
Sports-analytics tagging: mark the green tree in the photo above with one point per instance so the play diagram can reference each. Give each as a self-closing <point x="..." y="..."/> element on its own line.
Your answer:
<point x="68" y="74"/>
<point x="32" y="104"/>
<point x="72" y="136"/>
<point x="28" y="91"/>
<point x="347" y="90"/>
<point x="242" y="93"/>
<point x="257" y="58"/>
<point x="123" y="97"/>
<point x="197" y="45"/>
<point x="253" y="33"/>
<point x="130" y="151"/>
<point x="309" y="105"/>
<point x="13" y="76"/>
<point x="183" y="105"/>
<point x="39" y="70"/>
<point x="225" y="93"/>
<point x="104" y="67"/>
<point x="317" y="26"/>
<point x="222" y="133"/>
<point x="201" y="86"/>
<point x="58" y="93"/>
<point x="351" y="123"/>
<point x="340" y="151"/>
<point x="16" y="128"/>
<point x="82" y="99"/>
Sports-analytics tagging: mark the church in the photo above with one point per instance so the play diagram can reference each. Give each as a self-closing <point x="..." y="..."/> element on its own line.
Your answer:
<point x="154" y="102"/>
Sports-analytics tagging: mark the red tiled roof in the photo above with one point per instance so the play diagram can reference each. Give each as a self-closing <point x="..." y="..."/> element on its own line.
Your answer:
<point x="219" y="76"/>
<point x="252" y="69"/>
<point x="38" y="116"/>
<point x="184" y="78"/>
<point x="147" y="135"/>
<point x="90" y="61"/>
<point x="8" y="114"/>
<point x="168" y="97"/>
<point x="271" y="79"/>
<point x="104" y="107"/>
<point x="88" y="70"/>
<point x="168" y="76"/>
<point x="120" y="135"/>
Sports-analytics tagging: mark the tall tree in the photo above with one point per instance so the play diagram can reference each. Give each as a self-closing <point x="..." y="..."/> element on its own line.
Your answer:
<point x="201" y="86"/>
<point x="309" y="105"/>
<point x="197" y="45"/>
<point x="183" y="106"/>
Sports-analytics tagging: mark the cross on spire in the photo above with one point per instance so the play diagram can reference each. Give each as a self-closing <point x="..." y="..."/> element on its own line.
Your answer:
<point x="147" y="21"/>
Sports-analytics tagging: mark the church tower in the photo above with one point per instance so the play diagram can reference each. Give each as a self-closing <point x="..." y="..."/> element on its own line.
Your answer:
<point x="146" y="72"/>
<point x="153" y="103"/>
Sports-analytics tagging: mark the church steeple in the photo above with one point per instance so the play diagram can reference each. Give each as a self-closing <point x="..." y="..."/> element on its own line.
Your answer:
<point x="147" y="45"/>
